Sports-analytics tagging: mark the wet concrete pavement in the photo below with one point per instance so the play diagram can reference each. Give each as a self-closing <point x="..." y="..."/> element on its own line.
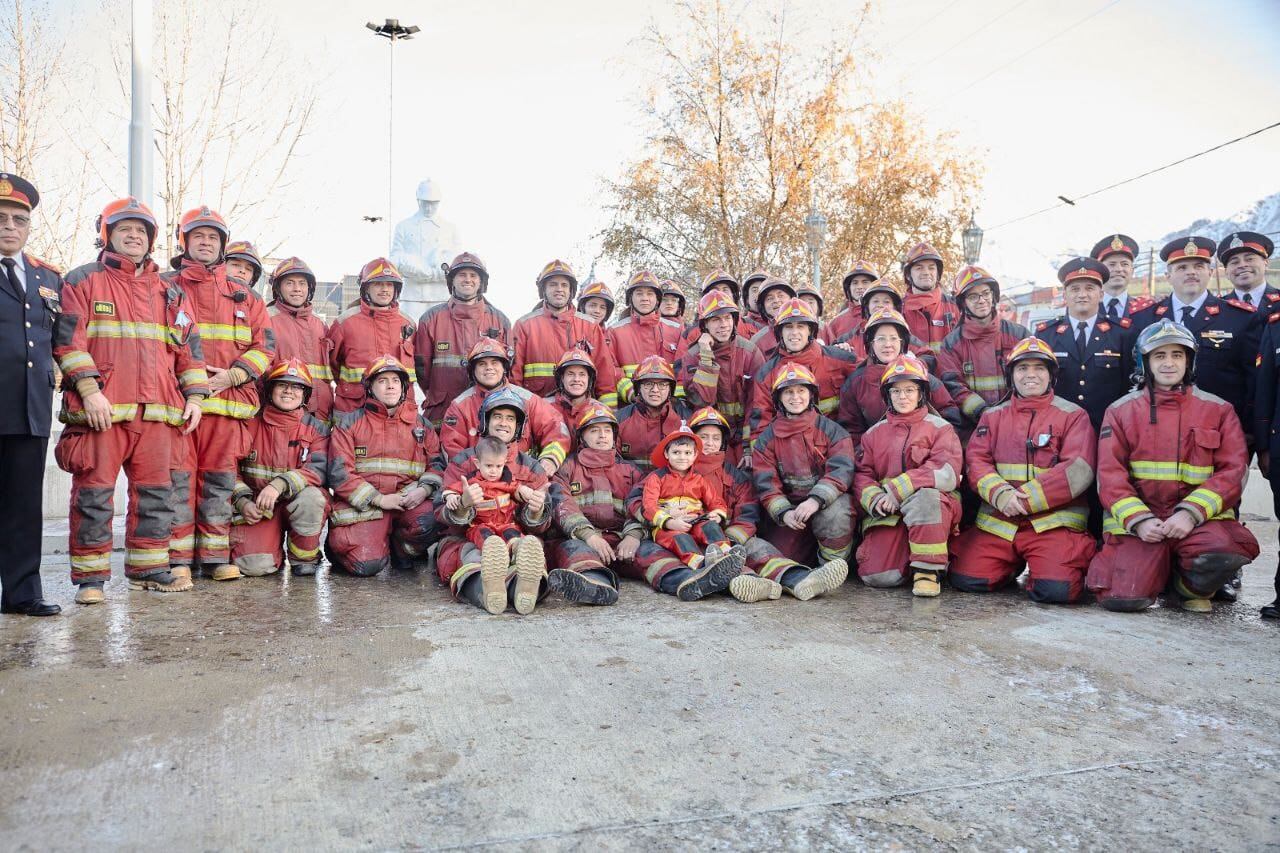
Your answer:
<point x="341" y="712"/>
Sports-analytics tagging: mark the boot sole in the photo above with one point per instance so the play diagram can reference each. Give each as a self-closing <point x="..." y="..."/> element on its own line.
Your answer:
<point x="713" y="578"/>
<point x="95" y="597"/>
<point x="178" y="585"/>
<point x="531" y="568"/>
<point x="574" y="587"/>
<point x="494" y="561"/>
<point x="830" y="575"/>
<point x="751" y="588"/>
<point x="926" y="592"/>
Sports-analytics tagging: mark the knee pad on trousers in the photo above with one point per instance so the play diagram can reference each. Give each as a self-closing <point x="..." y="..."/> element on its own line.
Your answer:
<point x="306" y="511"/>
<point x="95" y="508"/>
<point x="180" y="486"/>
<point x="367" y="568"/>
<point x="1049" y="592"/>
<point x="1126" y="605"/>
<point x="215" y="497"/>
<point x="885" y="580"/>
<point x="922" y="507"/>
<point x="256" y="565"/>
<point x="1204" y="574"/>
<point x="965" y="583"/>
<point x="155" y="515"/>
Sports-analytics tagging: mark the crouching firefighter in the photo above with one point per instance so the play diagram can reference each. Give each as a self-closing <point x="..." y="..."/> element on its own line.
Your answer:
<point x="906" y="472"/>
<point x="1031" y="460"/>
<point x="379" y="469"/>
<point x="1171" y="464"/>
<point x="280" y="489"/>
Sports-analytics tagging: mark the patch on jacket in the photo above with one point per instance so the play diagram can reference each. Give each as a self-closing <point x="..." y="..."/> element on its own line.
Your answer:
<point x="104" y="308"/>
<point x="451" y="420"/>
<point x="575" y="488"/>
<point x="362" y="451"/>
<point x="442" y="345"/>
<point x="252" y="457"/>
<point x="626" y="448"/>
<point x="982" y="431"/>
<point x="1105" y="432"/>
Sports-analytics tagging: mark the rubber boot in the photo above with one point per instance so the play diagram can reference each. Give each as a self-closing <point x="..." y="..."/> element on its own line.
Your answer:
<point x="589" y="587"/>
<point x="712" y="575"/>
<point x="161" y="581"/>
<point x="472" y="592"/>
<point x="303" y="570"/>
<point x="830" y="575"/>
<point x="225" y="572"/>
<point x="180" y="572"/>
<point x="1213" y="571"/>
<point x="495" y="559"/>
<point x="750" y="588"/>
<point x="531" y="570"/>
<point x="925" y="584"/>
<point x="90" y="593"/>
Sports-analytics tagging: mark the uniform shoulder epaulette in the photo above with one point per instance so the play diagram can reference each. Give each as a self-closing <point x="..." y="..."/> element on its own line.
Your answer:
<point x="81" y="272"/>
<point x="1241" y="304"/>
<point x="1064" y="405"/>
<point x="1271" y="297"/>
<point x="1043" y="324"/>
<point x="616" y="324"/>
<point x="1200" y="393"/>
<point x="1140" y="302"/>
<point x="536" y="312"/>
<point x="1273" y="316"/>
<point x="1124" y="322"/>
<point x="41" y="262"/>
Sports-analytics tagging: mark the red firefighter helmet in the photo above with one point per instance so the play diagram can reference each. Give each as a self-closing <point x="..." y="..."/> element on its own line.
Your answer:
<point x="720" y="276"/>
<point x="576" y="358"/>
<point x="466" y="261"/>
<point x="243" y="250"/>
<point x="1027" y="349"/>
<point x="860" y="267"/>
<point x="380" y="269"/>
<point x="486" y="347"/>
<point x="122" y="209"/>
<point x="920" y="252"/>
<point x="292" y="266"/>
<point x="654" y="367"/>
<point x="554" y="268"/>
<point x="885" y="317"/>
<point x="714" y="304"/>
<point x="639" y="279"/>
<point x="597" y="290"/>
<point x="882" y="286"/>
<point x="671" y="288"/>
<point x="790" y="375"/>
<point x="812" y="292"/>
<point x="970" y="276"/>
<point x="905" y="367"/>
<point x="796" y="311"/>
<point x="293" y="372"/>
<point x="201" y="217"/>
<point x="659" y="455"/>
<point x="709" y="416"/>
<point x="385" y="364"/>
<point x="598" y="414"/>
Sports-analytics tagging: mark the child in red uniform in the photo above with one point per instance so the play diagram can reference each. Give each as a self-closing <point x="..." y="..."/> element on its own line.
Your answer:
<point x="496" y="502"/>
<point x="685" y="511"/>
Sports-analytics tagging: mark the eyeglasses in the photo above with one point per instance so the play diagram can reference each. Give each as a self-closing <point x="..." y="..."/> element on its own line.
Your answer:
<point x="886" y="339"/>
<point x="18" y="220"/>
<point x="980" y="296"/>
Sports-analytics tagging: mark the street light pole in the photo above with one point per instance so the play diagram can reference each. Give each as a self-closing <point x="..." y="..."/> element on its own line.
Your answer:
<point x="392" y="31"/>
<point x="971" y="237"/>
<point x="815" y="227"/>
<point x="141" y="139"/>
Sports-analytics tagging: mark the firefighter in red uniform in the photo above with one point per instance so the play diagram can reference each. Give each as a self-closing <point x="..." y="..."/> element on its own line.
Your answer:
<point x="767" y="572"/>
<point x="1117" y="253"/>
<point x="281" y="487"/>
<point x="641" y="331"/>
<point x="931" y="314"/>
<point x="751" y="285"/>
<point x="905" y="476"/>
<point x="374" y="328"/>
<point x="1171" y="465"/>
<point x="726" y="285"/>
<point x="812" y="297"/>
<point x="575" y="390"/>
<point x="1031" y="460"/>
<point x="971" y="361"/>
<point x="597" y="303"/>
<point x="239" y="347"/>
<point x="775" y="294"/>
<point x="797" y="329"/>
<point x="654" y="412"/>
<point x="489" y="363"/>
<point x="541" y="337"/>
<point x="447" y="332"/>
<point x="490" y="585"/>
<point x="596" y="531"/>
<point x="862" y="398"/>
<point x="380" y="457"/>
<point x="243" y="263"/>
<point x="879" y="296"/>
<point x="855" y="283"/>
<point x="129" y="356"/>
<point x="718" y="367"/>
<point x="803" y="468"/>
<point x="300" y="333"/>
<point x="673" y="302"/>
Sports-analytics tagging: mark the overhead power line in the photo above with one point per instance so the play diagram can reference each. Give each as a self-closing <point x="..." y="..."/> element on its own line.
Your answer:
<point x="1066" y="201"/>
<point x="965" y="39"/>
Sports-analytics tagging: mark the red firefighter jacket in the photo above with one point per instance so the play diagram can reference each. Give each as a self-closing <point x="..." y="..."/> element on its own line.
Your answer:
<point x="358" y="337"/>
<point x="635" y="336"/>
<point x="374" y="452"/>
<point x="930" y="316"/>
<point x="131" y="334"/>
<point x="971" y="363"/>
<point x="235" y="331"/>
<point x="861" y="403"/>
<point x="739" y="494"/>
<point x="571" y="413"/>
<point x="640" y="428"/>
<point x="798" y="457"/>
<point x="901" y="455"/>
<point x="831" y="366"/>
<point x="664" y="490"/>
<point x="544" y="429"/>
<point x="1191" y="457"/>
<point x="595" y="485"/>
<point x="542" y="336"/>
<point x="302" y="335"/>
<point x="1042" y="446"/>
<point x="445" y="335"/>
<point x="523" y="470"/>
<point x="843" y="325"/>
<point x="721" y="377"/>
<point x="289" y="449"/>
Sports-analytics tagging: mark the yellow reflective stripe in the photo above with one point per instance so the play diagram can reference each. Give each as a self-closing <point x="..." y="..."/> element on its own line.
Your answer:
<point x="388" y="465"/>
<point x="827" y="405"/>
<point x="264" y="472"/>
<point x="996" y="526"/>
<point x="1018" y="471"/>
<point x="194" y="376"/>
<point x="972" y="405"/>
<point x="901" y="486"/>
<point x="147" y="556"/>
<point x="888" y="521"/>
<point x="1126" y="508"/>
<point x="985" y="383"/>
<point x="90" y="562"/>
<point x="126" y="329"/>
<point x="1209" y="501"/>
<point x="730" y="410"/>
<point x="1036" y="499"/>
<point x="184" y="543"/>
<point x="344" y="516"/>
<point x="869" y="494"/>
<point x="539" y="368"/>
<point x="610" y="399"/>
<point x="258" y="359"/>
<point x="555" y="451"/>
<point x="75" y="360"/>
<point x="123" y="412"/>
<point x="320" y="372"/>
<point x="295" y="481"/>
<point x="228" y="408"/>
<point x="212" y="540"/>
<point x="363" y="495"/>
<point x="987" y="484"/>
<point x="629" y="370"/>
<point x="934" y="550"/>
<point x="302" y="553"/>
<point x="350" y="374"/>
<point x="448" y="361"/>
<point x="225" y="332"/>
<point x="1175" y="472"/>
<point x="1072" y="518"/>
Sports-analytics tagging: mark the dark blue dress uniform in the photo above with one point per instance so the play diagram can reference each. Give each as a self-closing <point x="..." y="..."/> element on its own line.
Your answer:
<point x="1268" y="300"/>
<point x="27" y="315"/>
<point x="1266" y="403"/>
<point x="1227" y="330"/>
<point x="1118" y="244"/>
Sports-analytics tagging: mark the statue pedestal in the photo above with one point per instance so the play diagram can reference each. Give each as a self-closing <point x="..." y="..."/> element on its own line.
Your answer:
<point x="420" y="293"/>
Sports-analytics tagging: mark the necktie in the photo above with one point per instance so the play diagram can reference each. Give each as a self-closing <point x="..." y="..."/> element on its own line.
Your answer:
<point x="12" y="278"/>
<point x="1186" y="314"/>
<point x="1113" y="308"/>
<point x="1080" y="341"/>
<point x="1248" y="297"/>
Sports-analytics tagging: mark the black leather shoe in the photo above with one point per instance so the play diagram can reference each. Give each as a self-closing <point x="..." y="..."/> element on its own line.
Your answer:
<point x="1272" y="610"/>
<point x="34" y="607"/>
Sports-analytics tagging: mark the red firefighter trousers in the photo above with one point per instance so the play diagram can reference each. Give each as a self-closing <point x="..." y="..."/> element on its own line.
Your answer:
<point x="1056" y="560"/>
<point x="916" y="540"/>
<point x="257" y="549"/>
<point x="204" y="474"/>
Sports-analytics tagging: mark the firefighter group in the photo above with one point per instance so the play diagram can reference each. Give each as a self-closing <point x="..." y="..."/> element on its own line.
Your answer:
<point x="913" y="436"/>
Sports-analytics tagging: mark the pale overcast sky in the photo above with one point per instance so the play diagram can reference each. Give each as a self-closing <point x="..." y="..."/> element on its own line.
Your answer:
<point x="520" y="108"/>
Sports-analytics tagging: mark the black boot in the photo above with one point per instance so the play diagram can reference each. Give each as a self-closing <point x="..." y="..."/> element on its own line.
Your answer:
<point x="594" y="586"/>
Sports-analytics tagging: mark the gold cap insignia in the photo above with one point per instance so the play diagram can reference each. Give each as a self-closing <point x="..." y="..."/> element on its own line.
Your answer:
<point x="1191" y="249"/>
<point x="1236" y="242"/>
<point x="1117" y="243"/>
<point x="6" y="188"/>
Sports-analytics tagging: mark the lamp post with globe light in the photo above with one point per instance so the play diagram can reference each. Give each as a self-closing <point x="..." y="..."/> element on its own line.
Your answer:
<point x="971" y="237"/>
<point x="392" y="30"/>
<point x="815" y="229"/>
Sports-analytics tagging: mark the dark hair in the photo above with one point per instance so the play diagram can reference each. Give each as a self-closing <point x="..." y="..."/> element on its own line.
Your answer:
<point x="679" y="441"/>
<point x="489" y="447"/>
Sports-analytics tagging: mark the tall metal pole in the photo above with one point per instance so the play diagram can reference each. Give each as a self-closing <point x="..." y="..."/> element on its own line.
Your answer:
<point x="141" y="138"/>
<point x="391" y="137"/>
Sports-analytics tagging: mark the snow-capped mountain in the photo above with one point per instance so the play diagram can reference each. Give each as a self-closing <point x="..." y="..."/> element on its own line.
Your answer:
<point x="1263" y="217"/>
